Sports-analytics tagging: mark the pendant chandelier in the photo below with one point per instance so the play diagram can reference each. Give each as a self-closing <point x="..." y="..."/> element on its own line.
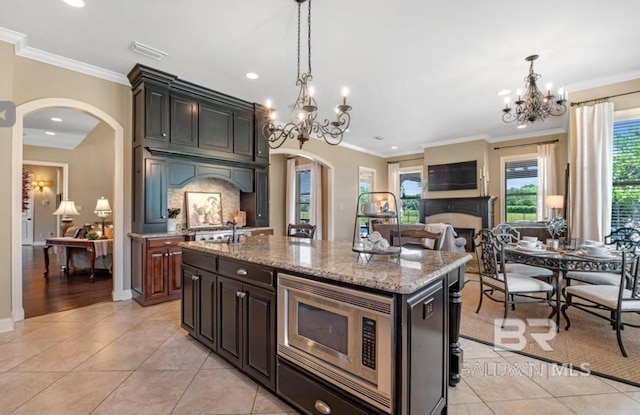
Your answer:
<point x="303" y="117"/>
<point x="534" y="105"/>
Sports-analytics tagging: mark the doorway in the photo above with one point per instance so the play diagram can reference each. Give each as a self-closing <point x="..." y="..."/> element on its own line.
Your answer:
<point x="118" y="292"/>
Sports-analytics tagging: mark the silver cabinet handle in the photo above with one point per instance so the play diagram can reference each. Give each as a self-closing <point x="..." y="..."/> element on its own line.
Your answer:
<point x="164" y="134"/>
<point x="167" y="242"/>
<point x="322" y="407"/>
<point x="163" y="217"/>
<point x="240" y="294"/>
<point x="241" y="271"/>
<point x="194" y="277"/>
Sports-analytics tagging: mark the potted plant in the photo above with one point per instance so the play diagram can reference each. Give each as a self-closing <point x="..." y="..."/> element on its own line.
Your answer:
<point x="555" y="226"/>
<point x="172" y="219"/>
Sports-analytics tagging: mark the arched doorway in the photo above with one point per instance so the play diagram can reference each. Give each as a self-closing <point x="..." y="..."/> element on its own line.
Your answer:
<point x="17" y="311"/>
<point x="330" y="186"/>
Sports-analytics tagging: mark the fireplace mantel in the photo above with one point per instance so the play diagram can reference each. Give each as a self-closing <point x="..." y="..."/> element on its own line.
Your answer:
<point x="481" y="207"/>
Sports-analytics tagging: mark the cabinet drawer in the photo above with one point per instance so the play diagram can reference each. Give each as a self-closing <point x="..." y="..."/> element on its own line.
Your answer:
<point x="245" y="272"/>
<point x="158" y="243"/>
<point x="200" y="260"/>
<point x="311" y="396"/>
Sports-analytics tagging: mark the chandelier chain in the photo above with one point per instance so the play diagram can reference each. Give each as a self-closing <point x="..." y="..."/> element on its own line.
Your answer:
<point x="309" y="36"/>
<point x="299" y="5"/>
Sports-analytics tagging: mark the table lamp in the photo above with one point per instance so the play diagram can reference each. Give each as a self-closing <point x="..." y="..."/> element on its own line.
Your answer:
<point x="103" y="209"/>
<point x="66" y="209"/>
<point x="554" y="202"/>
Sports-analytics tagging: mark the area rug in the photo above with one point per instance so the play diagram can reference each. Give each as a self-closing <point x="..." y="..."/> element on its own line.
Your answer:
<point x="589" y="344"/>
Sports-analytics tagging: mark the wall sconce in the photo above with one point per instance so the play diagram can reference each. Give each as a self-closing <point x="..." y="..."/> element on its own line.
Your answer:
<point x="38" y="185"/>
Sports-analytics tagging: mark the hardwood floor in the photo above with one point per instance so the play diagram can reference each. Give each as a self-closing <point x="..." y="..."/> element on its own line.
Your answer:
<point x="61" y="291"/>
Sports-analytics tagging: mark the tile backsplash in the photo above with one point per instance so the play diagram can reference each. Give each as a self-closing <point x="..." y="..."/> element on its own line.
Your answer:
<point x="229" y="195"/>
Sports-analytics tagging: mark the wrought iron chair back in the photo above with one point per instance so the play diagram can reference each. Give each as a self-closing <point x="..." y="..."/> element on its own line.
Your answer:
<point x="301" y="230"/>
<point x="488" y="253"/>
<point x="623" y="238"/>
<point x="506" y="233"/>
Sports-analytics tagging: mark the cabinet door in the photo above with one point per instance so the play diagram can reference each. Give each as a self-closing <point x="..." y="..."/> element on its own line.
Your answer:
<point x="174" y="266"/>
<point x="230" y="319"/>
<point x="260" y="334"/>
<point x="189" y="303"/>
<point x="261" y="144"/>
<point x="207" y="309"/>
<point x="215" y="128"/>
<point x="156" y="114"/>
<point x="156" y="274"/>
<point x="243" y="133"/>
<point x="184" y="121"/>
<point x="262" y="198"/>
<point x="155" y="191"/>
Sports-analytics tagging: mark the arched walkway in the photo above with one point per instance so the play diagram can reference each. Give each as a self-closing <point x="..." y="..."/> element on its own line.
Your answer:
<point x="17" y="311"/>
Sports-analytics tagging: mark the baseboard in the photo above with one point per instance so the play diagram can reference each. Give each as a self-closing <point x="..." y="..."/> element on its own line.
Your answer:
<point x="126" y="295"/>
<point x="38" y="243"/>
<point x="6" y="324"/>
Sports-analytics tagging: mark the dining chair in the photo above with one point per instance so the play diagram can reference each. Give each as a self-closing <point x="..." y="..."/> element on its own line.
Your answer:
<point x="517" y="288"/>
<point x="624" y="238"/>
<point x="508" y="234"/>
<point x="608" y="302"/>
<point x="427" y="240"/>
<point x="301" y="230"/>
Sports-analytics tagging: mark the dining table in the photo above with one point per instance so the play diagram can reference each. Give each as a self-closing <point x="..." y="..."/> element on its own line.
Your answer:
<point x="562" y="261"/>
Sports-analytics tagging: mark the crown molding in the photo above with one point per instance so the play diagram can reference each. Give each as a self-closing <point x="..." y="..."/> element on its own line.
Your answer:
<point x="19" y="40"/>
<point x="608" y="80"/>
<point x="456" y="141"/>
<point x="542" y="133"/>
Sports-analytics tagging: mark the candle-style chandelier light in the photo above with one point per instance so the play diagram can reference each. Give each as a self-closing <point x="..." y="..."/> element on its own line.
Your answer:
<point x="534" y="105"/>
<point x="303" y="117"/>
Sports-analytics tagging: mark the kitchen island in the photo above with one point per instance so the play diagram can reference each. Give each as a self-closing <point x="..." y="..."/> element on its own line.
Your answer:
<point x="401" y="316"/>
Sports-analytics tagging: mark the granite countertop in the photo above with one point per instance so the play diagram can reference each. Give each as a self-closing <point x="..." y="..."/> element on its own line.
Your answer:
<point x="181" y="233"/>
<point x="336" y="261"/>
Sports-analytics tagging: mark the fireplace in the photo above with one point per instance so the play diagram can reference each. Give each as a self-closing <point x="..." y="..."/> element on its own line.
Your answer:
<point x="461" y="212"/>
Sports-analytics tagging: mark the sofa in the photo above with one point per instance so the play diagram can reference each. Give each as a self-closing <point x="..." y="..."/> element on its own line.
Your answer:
<point x="449" y="241"/>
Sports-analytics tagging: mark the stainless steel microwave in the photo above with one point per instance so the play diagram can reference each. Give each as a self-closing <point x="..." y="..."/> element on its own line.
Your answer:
<point x="340" y="334"/>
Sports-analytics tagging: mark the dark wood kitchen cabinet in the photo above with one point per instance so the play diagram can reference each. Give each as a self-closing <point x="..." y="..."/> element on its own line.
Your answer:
<point x="156" y="269"/>
<point x="247" y="319"/>
<point x="243" y="134"/>
<point x="155" y="193"/>
<point x="199" y="304"/>
<point x="215" y="128"/>
<point x="261" y="144"/>
<point x="156" y="113"/>
<point x="184" y="121"/>
<point x="256" y="204"/>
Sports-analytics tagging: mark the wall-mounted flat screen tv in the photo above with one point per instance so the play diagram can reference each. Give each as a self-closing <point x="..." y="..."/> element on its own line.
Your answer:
<point x="453" y="176"/>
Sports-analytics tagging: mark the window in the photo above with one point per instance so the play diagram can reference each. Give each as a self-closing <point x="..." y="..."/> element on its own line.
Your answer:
<point x="410" y="194"/>
<point x="303" y="194"/>
<point x="520" y="187"/>
<point x="366" y="182"/>
<point x="625" y="209"/>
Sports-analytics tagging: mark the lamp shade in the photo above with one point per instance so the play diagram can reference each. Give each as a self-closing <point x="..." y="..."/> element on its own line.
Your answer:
<point x="67" y="207"/>
<point x="102" y="207"/>
<point x="554" y="201"/>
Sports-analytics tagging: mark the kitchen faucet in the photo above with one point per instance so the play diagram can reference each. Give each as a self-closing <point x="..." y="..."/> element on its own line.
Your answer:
<point x="232" y="238"/>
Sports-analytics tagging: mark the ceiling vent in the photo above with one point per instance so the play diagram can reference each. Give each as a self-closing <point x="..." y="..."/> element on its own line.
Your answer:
<point x="148" y="51"/>
<point x="377" y="137"/>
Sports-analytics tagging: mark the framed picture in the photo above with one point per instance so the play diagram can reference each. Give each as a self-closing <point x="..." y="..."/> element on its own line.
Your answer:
<point x="203" y="209"/>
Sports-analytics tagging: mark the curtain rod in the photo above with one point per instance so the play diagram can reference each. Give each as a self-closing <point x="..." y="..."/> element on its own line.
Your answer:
<point x="573" y="104"/>
<point x="528" y="144"/>
<point x="391" y="162"/>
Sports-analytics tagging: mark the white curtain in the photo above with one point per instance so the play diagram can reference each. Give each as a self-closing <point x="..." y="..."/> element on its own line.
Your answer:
<point x="592" y="161"/>
<point x="316" y="198"/>
<point x="291" y="191"/>
<point x="547" y="177"/>
<point x="393" y="180"/>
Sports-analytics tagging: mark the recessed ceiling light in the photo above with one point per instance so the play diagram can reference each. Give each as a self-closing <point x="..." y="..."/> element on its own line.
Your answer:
<point x="49" y="133"/>
<point x="394" y="147"/>
<point x="522" y="126"/>
<point x="346" y="131"/>
<point x="251" y="75"/>
<point x="75" y="3"/>
<point x="56" y="119"/>
<point x="504" y="92"/>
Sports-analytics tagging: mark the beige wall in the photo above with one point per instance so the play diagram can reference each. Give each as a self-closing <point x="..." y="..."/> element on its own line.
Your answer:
<point x="6" y="166"/>
<point x="345" y="164"/>
<point x="90" y="170"/>
<point x="25" y="80"/>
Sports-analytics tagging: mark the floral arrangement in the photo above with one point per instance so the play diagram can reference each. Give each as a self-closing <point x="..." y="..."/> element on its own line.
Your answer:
<point x="556" y="226"/>
<point x="173" y="212"/>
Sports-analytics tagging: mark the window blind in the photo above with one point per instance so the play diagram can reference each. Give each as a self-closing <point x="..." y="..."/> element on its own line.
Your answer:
<point x="625" y="209"/>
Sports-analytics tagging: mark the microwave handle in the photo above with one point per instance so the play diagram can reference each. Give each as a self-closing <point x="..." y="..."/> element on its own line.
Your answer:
<point x="322" y="407"/>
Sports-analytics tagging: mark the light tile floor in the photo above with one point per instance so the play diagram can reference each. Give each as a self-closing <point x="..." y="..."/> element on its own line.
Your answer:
<point x="121" y="358"/>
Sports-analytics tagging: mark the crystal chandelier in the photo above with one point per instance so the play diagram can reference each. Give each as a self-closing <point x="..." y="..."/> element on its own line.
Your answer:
<point x="303" y="117"/>
<point x="534" y="105"/>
